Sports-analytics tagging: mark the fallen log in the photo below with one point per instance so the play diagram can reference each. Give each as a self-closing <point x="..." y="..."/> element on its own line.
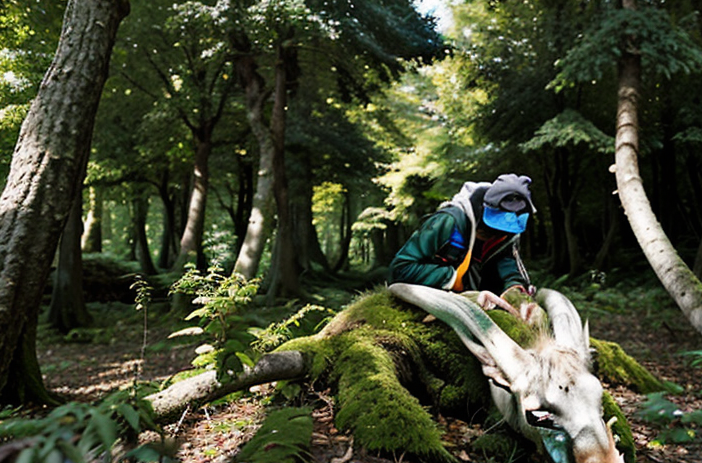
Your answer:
<point x="204" y="388"/>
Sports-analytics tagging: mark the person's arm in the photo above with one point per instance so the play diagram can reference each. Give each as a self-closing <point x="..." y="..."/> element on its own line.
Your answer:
<point x="416" y="262"/>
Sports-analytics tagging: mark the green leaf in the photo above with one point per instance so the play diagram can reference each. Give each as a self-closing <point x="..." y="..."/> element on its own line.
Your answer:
<point x="105" y="427"/>
<point x="130" y="415"/>
<point x="283" y="437"/>
<point x="144" y="453"/>
<point x="54" y="456"/>
<point x="245" y="359"/>
<point x="27" y="456"/>
<point x="678" y="435"/>
<point x="198" y="313"/>
<point x="70" y="451"/>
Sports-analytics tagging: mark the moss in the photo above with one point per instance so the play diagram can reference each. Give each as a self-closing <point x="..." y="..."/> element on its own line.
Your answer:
<point x="621" y="430"/>
<point x="382" y="414"/>
<point x="615" y="366"/>
<point x="359" y="352"/>
<point x="515" y="328"/>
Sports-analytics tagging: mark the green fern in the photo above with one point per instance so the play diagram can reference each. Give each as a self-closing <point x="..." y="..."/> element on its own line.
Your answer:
<point x="284" y="437"/>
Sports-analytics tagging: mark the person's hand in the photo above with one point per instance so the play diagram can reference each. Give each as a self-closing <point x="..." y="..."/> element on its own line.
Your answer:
<point x="518" y="297"/>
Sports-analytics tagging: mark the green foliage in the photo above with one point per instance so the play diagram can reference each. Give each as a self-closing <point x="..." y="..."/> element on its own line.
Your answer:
<point x="278" y="332"/>
<point x="284" y="437"/>
<point x="676" y="425"/>
<point x="570" y="128"/>
<point x="80" y="432"/>
<point x="696" y="355"/>
<point x="665" y="49"/>
<point x="222" y="318"/>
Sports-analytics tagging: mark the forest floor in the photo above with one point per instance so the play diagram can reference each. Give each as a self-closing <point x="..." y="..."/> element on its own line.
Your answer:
<point x="88" y="371"/>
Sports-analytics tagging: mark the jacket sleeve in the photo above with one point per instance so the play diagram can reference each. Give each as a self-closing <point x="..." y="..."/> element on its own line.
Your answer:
<point x="416" y="263"/>
<point x="508" y="270"/>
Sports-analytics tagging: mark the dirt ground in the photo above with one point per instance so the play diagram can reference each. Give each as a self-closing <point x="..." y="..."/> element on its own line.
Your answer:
<point x="87" y="371"/>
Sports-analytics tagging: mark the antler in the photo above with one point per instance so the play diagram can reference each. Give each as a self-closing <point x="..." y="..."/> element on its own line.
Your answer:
<point x="568" y="330"/>
<point x="498" y="352"/>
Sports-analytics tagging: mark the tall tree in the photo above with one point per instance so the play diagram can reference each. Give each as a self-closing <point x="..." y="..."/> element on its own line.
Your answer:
<point x="46" y="174"/>
<point x="676" y="276"/>
<point x="363" y="46"/>
<point x="191" y="65"/>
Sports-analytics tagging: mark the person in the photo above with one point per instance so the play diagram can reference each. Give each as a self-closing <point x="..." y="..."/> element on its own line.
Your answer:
<point x="471" y="242"/>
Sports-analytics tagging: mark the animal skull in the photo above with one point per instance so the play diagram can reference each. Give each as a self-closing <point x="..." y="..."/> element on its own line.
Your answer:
<point x="545" y="392"/>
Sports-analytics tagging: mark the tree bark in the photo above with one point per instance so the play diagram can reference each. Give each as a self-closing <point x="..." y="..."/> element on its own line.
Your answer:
<point x="308" y="249"/>
<point x="191" y="241"/>
<point x="672" y="271"/>
<point x="285" y="281"/>
<point x="141" y="211"/>
<point x="47" y="170"/>
<point x="262" y="208"/>
<point x="345" y="234"/>
<point x="203" y="388"/>
<point x="168" y="251"/>
<point x="92" y="234"/>
<point x="67" y="310"/>
<point x="244" y="200"/>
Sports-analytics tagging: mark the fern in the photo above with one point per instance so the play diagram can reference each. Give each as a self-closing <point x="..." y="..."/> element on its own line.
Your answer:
<point x="284" y="437"/>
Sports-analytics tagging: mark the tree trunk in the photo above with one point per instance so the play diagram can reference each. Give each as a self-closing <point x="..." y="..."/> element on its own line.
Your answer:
<point x="673" y="273"/>
<point x="558" y="248"/>
<point x="697" y="267"/>
<point x="308" y="249"/>
<point x="244" y="200"/>
<point x="603" y="257"/>
<point x="169" y="244"/>
<point x="285" y="281"/>
<point x="141" y="211"/>
<point x="262" y="208"/>
<point x="345" y="233"/>
<point x="47" y="170"/>
<point x="92" y="235"/>
<point x="191" y="241"/>
<point x="67" y="309"/>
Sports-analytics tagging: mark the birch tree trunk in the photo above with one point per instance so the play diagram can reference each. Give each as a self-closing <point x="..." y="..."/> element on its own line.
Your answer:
<point x="672" y="271"/>
<point x="263" y="206"/>
<point x="191" y="241"/>
<point x="47" y="170"/>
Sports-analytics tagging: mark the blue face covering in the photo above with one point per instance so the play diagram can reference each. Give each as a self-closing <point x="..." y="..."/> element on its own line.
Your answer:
<point x="509" y="222"/>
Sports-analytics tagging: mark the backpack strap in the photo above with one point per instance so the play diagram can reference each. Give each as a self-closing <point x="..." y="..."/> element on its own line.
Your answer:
<point x="454" y="250"/>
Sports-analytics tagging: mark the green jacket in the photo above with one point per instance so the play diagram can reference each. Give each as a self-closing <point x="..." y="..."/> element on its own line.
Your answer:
<point x="433" y="253"/>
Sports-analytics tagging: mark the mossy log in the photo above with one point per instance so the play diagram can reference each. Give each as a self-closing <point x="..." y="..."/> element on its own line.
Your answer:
<point x="394" y="370"/>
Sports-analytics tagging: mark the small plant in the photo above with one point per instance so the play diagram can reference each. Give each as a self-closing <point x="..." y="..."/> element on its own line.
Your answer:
<point x="696" y="355"/>
<point x="677" y="426"/>
<point x="277" y="333"/>
<point x="79" y="432"/>
<point x="284" y="437"/>
<point x="222" y="319"/>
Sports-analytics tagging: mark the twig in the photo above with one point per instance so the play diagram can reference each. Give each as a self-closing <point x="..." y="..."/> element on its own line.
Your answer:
<point x="180" y="421"/>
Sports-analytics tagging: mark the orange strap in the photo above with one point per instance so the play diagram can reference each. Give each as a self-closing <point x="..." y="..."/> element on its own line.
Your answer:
<point x="460" y="271"/>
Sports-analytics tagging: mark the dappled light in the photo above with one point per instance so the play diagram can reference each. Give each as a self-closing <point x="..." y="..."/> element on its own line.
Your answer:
<point x="209" y="206"/>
